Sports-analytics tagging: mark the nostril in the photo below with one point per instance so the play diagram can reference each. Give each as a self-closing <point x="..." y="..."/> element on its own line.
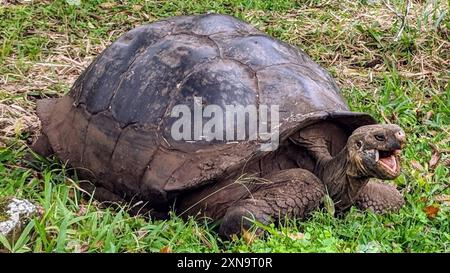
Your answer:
<point x="400" y="135"/>
<point x="380" y="137"/>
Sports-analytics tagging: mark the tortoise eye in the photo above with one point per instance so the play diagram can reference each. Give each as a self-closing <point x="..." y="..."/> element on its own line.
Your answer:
<point x="380" y="137"/>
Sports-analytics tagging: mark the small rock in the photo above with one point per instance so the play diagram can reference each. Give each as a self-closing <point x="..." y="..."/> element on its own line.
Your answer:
<point x="14" y="215"/>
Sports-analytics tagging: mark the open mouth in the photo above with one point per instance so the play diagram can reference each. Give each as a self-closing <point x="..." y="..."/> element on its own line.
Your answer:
<point x="388" y="160"/>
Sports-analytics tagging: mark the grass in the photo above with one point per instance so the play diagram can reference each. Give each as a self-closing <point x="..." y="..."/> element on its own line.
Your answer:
<point x="398" y="74"/>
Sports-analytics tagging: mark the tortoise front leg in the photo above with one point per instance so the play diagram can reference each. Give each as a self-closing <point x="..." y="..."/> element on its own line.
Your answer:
<point x="290" y="193"/>
<point x="380" y="198"/>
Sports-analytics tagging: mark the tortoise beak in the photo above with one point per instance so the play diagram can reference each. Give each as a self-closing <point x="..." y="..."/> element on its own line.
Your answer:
<point x="389" y="162"/>
<point x="400" y="136"/>
<point x="388" y="159"/>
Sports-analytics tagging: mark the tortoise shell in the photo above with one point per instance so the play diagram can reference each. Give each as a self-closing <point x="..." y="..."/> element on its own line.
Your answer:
<point x="114" y="124"/>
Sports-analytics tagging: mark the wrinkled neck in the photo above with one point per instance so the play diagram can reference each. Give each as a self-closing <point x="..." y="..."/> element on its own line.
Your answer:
<point x="341" y="178"/>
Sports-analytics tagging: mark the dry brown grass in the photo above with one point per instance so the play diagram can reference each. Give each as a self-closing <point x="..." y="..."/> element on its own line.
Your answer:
<point x="43" y="78"/>
<point x="355" y="56"/>
<point x="335" y="36"/>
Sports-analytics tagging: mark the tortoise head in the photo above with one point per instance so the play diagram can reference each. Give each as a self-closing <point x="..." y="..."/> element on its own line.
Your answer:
<point x="374" y="150"/>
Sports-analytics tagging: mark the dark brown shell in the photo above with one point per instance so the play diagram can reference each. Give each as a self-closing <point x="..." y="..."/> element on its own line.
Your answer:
<point x="114" y="125"/>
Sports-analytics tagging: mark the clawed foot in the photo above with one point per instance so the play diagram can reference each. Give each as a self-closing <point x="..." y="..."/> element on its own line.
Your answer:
<point x="291" y="193"/>
<point x="380" y="198"/>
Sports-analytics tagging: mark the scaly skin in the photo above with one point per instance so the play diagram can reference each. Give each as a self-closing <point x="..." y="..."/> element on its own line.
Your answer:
<point x="380" y="198"/>
<point x="297" y="192"/>
<point x="292" y="193"/>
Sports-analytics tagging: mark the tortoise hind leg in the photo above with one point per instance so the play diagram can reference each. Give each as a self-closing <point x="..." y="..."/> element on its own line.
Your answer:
<point x="42" y="146"/>
<point x="380" y="198"/>
<point x="290" y="193"/>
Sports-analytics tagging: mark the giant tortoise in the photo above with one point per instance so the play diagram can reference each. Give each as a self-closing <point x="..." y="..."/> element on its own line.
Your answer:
<point x="115" y="127"/>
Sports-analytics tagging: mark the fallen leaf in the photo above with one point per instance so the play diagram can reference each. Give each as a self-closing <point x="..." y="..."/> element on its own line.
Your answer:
<point x="82" y="211"/>
<point x="442" y="198"/>
<point x="84" y="248"/>
<point x="446" y="162"/>
<point x="429" y="115"/>
<point x="394" y="117"/>
<point x="416" y="165"/>
<point x="296" y="236"/>
<point x="435" y="157"/>
<point x="248" y="236"/>
<point x="434" y="160"/>
<point x="431" y="211"/>
<point x="108" y="5"/>
<point x="165" y="249"/>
